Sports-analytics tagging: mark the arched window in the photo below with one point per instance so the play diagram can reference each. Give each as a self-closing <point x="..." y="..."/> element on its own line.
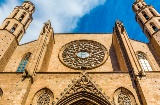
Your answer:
<point x="153" y="27"/>
<point x="138" y="6"/>
<point x="43" y="97"/>
<point x="13" y="28"/>
<point x="144" y="62"/>
<point x="23" y="62"/>
<point x="124" y="99"/>
<point x="145" y="15"/>
<point x="123" y="96"/>
<point x="22" y="16"/>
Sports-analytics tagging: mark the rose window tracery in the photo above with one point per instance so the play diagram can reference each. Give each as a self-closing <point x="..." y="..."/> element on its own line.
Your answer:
<point x="83" y="54"/>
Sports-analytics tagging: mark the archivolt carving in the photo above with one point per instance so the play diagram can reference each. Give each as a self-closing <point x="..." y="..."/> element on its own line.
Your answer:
<point x="93" y="54"/>
<point x="83" y="88"/>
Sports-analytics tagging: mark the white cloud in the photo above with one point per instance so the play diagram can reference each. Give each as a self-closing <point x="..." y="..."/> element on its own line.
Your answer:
<point x="7" y="8"/>
<point x="63" y="14"/>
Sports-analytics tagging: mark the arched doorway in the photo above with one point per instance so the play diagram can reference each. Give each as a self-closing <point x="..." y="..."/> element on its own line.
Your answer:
<point x="84" y="98"/>
<point x="83" y="102"/>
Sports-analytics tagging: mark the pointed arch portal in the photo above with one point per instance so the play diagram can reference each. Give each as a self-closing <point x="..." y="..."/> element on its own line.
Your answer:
<point x="83" y="98"/>
<point x="83" y="102"/>
<point x="83" y="92"/>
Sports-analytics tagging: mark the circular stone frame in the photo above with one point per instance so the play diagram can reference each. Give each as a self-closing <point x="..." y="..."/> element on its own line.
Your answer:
<point x="98" y="54"/>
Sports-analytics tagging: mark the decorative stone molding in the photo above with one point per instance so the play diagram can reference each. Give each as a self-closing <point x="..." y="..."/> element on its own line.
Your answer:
<point x="83" y="54"/>
<point x="83" y="89"/>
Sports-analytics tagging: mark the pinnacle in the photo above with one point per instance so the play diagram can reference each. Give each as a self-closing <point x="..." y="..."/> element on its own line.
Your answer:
<point x="139" y="0"/>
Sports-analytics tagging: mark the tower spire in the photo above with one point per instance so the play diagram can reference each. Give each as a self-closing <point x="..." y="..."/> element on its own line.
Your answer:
<point x="12" y="30"/>
<point x="18" y="21"/>
<point x="149" y="20"/>
<point x="139" y="0"/>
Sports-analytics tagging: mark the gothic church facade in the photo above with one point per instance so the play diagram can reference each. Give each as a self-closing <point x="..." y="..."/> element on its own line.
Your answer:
<point x="80" y="69"/>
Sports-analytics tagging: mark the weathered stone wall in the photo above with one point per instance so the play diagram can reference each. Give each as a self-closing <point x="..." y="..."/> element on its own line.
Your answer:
<point x="143" y="47"/>
<point x="14" y="89"/>
<point x="56" y="82"/>
<point x="18" y="55"/>
<point x="58" y="76"/>
<point x="150" y="86"/>
<point x="8" y="45"/>
<point x="111" y="63"/>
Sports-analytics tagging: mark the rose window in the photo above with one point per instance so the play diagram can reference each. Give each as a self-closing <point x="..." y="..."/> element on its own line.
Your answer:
<point x="83" y="54"/>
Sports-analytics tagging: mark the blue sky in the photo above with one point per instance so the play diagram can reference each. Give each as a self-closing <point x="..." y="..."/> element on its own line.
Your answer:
<point x="102" y="18"/>
<point x="79" y="16"/>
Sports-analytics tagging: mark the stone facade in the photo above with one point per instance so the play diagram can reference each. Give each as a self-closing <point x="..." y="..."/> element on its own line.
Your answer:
<point x="42" y="72"/>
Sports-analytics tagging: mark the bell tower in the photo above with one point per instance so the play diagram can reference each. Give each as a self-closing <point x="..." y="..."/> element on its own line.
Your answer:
<point x="12" y="30"/>
<point x="149" y="20"/>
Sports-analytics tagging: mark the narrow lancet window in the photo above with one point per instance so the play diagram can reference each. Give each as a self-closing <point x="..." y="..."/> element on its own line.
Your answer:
<point x="153" y="27"/>
<point x="23" y="62"/>
<point x="13" y="28"/>
<point x="145" y="15"/>
<point x="144" y="62"/>
<point x="138" y="6"/>
<point x="22" y="16"/>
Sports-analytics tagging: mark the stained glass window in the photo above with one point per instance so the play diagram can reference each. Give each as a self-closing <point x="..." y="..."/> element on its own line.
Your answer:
<point x="123" y="96"/>
<point x="44" y="99"/>
<point x="144" y="62"/>
<point x="23" y="63"/>
<point x="124" y="99"/>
